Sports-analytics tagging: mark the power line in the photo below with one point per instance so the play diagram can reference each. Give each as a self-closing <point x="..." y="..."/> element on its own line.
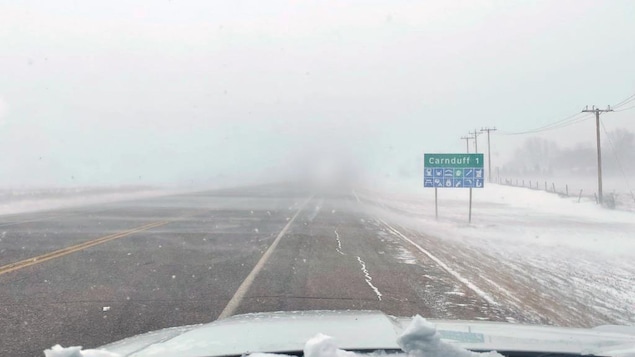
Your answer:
<point x="557" y="122"/>
<point x="570" y="120"/>
<point x="625" y="101"/>
<point x="625" y="109"/>
<point x="568" y="123"/>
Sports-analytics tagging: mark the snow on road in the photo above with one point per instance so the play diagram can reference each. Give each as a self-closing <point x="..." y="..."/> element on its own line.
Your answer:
<point x="546" y="259"/>
<point x="445" y="267"/>
<point x="368" y="278"/>
<point x="339" y="243"/>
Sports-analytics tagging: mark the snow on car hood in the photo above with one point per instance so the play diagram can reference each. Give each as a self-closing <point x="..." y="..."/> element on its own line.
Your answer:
<point x="364" y="330"/>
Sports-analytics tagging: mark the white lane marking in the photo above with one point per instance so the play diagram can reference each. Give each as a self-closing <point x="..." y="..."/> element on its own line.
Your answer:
<point x="369" y="278"/>
<point x="235" y="301"/>
<point x="458" y="276"/>
<point x="339" y="244"/>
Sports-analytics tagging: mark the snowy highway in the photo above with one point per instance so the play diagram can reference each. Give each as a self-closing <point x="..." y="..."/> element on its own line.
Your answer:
<point x="92" y="275"/>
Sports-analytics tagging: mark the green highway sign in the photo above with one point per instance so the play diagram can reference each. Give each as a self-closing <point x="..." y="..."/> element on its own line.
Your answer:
<point x="453" y="160"/>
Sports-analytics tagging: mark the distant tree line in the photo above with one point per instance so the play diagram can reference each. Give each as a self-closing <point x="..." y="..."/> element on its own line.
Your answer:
<point x="540" y="156"/>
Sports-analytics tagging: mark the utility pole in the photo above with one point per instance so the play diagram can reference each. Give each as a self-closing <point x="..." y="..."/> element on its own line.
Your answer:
<point x="475" y="134"/>
<point x="467" y="142"/>
<point x="597" y="112"/>
<point x="489" y="153"/>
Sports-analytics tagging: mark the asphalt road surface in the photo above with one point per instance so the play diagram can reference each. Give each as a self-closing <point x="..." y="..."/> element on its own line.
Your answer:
<point x="92" y="275"/>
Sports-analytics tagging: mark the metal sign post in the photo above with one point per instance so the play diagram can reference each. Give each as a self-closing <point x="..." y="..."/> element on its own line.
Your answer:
<point x="453" y="171"/>
<point x="469" y="220"/>
<point x="436" y="204"/>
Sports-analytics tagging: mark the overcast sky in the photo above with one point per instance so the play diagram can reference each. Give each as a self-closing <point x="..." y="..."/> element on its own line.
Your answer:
<point x="120" y="92"/>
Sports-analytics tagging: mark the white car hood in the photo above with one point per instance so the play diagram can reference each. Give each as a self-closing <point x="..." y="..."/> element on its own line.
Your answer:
<point x="365" y="330"/>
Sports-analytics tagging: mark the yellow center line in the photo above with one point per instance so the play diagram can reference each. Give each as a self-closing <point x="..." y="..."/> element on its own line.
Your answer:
<point x="75" y="248"/>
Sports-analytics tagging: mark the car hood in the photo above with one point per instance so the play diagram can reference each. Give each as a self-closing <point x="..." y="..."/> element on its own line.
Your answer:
<point x="365" y="330"/>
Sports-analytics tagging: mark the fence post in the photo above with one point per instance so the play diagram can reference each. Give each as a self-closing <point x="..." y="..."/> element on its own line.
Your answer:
<point x="580" y="196"/>
<point x="546" y="187"/>
<point x="596" y="197"/>
<point x="553" y="185"/>
<point x="523" y="183"/>
<point x="566" y="187"/>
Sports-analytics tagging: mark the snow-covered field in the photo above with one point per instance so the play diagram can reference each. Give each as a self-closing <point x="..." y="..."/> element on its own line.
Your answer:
<point x="545" y="258"/>
<point x="33" y="200"/>
<point x="620" y="188"/>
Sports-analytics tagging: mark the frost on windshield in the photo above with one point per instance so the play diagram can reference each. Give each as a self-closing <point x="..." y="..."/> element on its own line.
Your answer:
<point x="419" y="339"/>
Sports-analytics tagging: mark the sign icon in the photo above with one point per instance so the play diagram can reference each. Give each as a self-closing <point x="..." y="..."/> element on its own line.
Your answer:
<point x="448" y="172"/>
<point x="438" y="182"/>
<point x="478" y="183"/>
<point x="428" y="172"/>
<point x="478" y="173"/>
<point x="428" y="183"/>
<point x="468" y="182"/>
<point x="438" y="172"/>
<point x="458" y="183"/>
<point x="458" y="173"/>
<point x="448" y="183"/>
<point x="469" y="172"/>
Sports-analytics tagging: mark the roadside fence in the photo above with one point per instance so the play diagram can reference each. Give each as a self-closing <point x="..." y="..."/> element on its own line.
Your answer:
<point x="612" y="200"/>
